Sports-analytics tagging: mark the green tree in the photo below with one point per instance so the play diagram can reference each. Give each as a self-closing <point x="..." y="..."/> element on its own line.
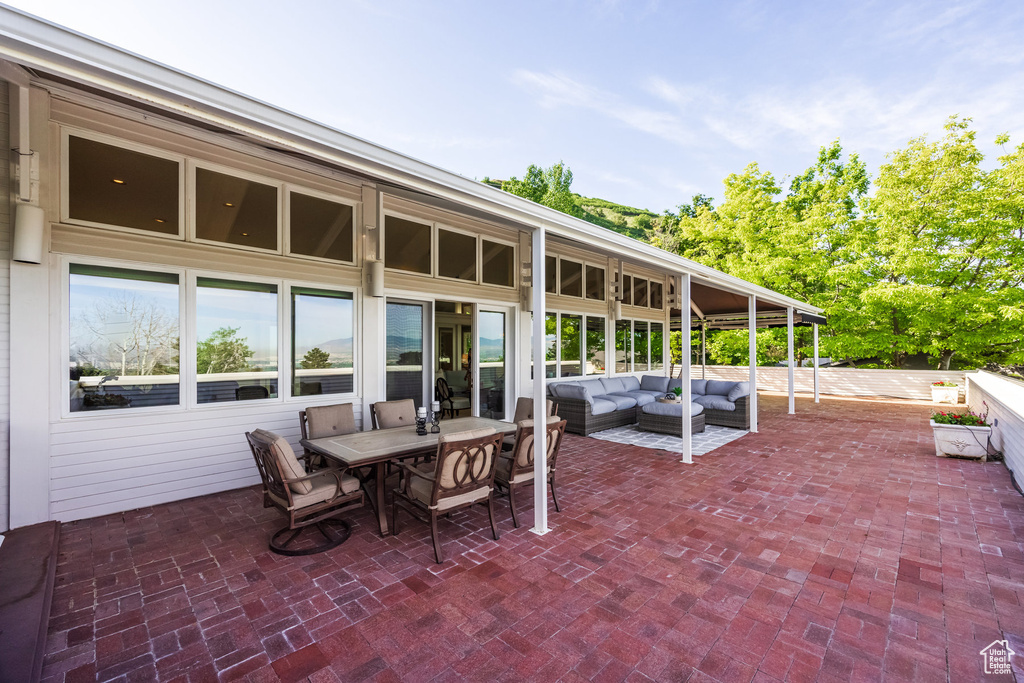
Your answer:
<point x="533" y="186"/>
<point x="550" y="187"/>
<point x="223" y="351"/>
<point x="316" y="359"/>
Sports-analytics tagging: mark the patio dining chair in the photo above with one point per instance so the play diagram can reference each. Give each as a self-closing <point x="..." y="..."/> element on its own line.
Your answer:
<point x="306" y="499"/>
<point x="516" y="469"/>
<point x="319" y="422"/>
<point x="391" y="414"/>
<point x="524" y="411"/>
<point x="450" y="403"/>
<point x="462" y="477"/>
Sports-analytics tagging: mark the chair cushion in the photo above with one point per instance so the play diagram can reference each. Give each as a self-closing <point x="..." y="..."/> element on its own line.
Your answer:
<point x="524" y="408"/>
<point x="715" y="402"/>
<point x="447" y="475"/>
<point x="601" y="406"/>
<point x="290" y="466"/>
<point x="611" y="384"/>
<point x="573" y="390"/>
<point x="642" y="398"/>
<point x="719" y="388"/>
<point x="621" y="400"/>
<point x="391" y="414"/>
<point x="456" y="380"/>
<point x="421" y="489"/>
<point x="655" y="383"/>
<point x="504" y="470"/>
<point x="322" y="421"/>
<point x="671" y="409"/>
<point x="698" y="387"/>
<point x="741" y="389"/>
<point x="674" y="383"/>
<point x="630" y="384"/>
<point x="459" y="403"/>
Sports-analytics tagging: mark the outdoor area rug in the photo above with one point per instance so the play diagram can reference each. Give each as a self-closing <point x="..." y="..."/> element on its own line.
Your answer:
<point x="711" y="438"/>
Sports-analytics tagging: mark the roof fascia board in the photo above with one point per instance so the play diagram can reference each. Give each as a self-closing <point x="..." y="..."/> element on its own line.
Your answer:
<point x="34" y="42"/>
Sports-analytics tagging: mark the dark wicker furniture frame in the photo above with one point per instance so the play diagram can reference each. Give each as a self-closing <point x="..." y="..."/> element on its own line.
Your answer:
<point x="670" y="424"/>
<point x="737" y="419"/>
<point x="577" y="413"/>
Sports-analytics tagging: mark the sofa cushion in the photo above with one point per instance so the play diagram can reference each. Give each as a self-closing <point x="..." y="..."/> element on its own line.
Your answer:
<point x="719" y="388"/>
<point x="698" y="387"/>
<point x="612" y="384"/>
<point x="630" y="384"/>
<point x="594" y="386"/>
<point x="642" y="398"/>
<point x="671" y="409"/>
<point x="654" y="383"/>
<point x="741" y="389"/>
<point x="602" y="406"/>
<point x="621" y="400"/>
<point x="674" y="383"/>
<point x="573" y="390"/>
<point x="715" y="402"/>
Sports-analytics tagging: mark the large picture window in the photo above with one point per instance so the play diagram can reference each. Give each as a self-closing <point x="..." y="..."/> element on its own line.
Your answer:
<point x="551" y="345"/>
<point x="236" y="332"/>
<point x="595" y="347"/>
<point x="657" y="346"/>
<point x="110" y="185"/>
<point x="323" y="343"/>
<point x="641" y="344"/>
<point x="123" y="333"/>
<point x="571" y="330"/>
<point x="623" y="346"/>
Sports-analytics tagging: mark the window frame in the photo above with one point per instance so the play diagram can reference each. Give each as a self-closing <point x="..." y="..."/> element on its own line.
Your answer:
<point x="286" y="224"/>
<point x="188" y="339"/>
<point x="66" y="132"/>
<point x="435" y="259"/>
<point x="278" y="185"/>
<point x="604" y="279"/>
<point x="584" y="317"/>
<point x="383" y="256"/>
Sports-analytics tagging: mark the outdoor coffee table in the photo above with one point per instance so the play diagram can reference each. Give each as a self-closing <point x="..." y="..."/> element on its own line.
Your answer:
<point x="379" y="447"/>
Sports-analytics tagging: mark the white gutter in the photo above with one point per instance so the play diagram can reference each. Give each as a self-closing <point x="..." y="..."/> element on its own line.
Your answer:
<point x="40" y="44"/>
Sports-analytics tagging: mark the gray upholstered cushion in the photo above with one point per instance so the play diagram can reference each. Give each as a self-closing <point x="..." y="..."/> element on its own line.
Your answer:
<point x="715" y="402"/>
<point x="323" y="421"/>
<point x="594" y="386"/>
<point x="391" y="414"/>
<point x="654" y="383"/>
<point x="622" y="401"/>
<point x="674" y="382"/>
<point x="718" y="387"/>
<point x="741" y="389"/>
<point x="630" y="384"/>
<point x="672" y="409"/>
<point x="573" y="390"/>
<point x="612" y="384"/>
<point x="698" y="387"/>
<point x="602" y="406"/>
<point x="642" y="398"/>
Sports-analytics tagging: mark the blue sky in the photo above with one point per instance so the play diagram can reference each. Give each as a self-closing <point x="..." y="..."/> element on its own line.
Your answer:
<point x="647" y="102"/>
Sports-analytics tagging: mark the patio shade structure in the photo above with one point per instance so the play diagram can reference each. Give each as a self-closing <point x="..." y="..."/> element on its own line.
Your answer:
<point x="221" y="153"/>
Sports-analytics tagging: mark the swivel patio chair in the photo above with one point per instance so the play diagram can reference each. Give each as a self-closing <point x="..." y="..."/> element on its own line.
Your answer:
<point x="307" y="500"/>
<point x="516" y="469"/>
<point x="462" y="476"/>
<point x="450" y="403"/>
<point x="391" y="414"/>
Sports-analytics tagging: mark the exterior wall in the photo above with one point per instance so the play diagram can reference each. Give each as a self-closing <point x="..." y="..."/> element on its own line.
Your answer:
<point x="911" y="384"/>
<point x="5" y="309"/>
<point x="1003" y="399"/>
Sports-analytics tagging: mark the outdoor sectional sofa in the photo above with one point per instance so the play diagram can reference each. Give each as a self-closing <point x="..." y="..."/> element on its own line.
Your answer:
<point x="593" y="405"/>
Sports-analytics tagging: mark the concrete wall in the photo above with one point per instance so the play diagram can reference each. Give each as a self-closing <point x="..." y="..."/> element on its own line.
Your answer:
<point x="912" y="384"/>
<point x="1003" y="399"/>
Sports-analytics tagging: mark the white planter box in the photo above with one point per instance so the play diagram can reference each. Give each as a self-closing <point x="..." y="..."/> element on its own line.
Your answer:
<point x="946" y="395"/>
<point x="960" y="441"/>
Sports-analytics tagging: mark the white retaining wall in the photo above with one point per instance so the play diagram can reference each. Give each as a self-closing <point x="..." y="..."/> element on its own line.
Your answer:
<point x="912" y="384"/>
<point x="1005" y="399"/>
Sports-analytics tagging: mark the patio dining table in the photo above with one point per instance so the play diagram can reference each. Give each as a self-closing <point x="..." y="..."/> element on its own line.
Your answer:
<point x="379" y="447"/>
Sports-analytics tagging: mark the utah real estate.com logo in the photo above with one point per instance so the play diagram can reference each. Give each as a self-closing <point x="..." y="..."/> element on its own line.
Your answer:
<point x="996" y="657"/>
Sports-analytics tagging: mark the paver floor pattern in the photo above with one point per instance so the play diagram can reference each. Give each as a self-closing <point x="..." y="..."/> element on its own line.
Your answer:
<point x="833" y="546"/>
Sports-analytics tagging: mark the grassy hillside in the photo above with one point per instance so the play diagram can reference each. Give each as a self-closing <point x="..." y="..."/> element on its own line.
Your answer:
<point x="636" y="223"/>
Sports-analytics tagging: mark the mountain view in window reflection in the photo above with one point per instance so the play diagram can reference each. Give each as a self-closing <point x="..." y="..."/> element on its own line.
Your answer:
<point x="123" y="338"/>
<point x="322" y="342"/>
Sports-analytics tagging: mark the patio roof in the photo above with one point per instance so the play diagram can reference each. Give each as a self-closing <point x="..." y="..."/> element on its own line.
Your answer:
<point x="833" y="545"/>
<point x="60" y="54"/>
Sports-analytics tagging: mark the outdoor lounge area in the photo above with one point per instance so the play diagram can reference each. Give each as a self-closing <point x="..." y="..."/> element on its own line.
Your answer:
<point x="831" y="545"/>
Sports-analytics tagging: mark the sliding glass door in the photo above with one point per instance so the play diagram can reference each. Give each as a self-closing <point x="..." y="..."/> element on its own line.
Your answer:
<point x="405" y="351"/>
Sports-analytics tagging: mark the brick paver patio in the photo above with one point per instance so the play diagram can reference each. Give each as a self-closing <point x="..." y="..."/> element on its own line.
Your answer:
<point x="831" y="546"/>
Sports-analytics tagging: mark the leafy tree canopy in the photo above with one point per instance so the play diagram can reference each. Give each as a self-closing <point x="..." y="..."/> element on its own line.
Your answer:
<point x="316" y="359"/>
<point x="223" y="351"/>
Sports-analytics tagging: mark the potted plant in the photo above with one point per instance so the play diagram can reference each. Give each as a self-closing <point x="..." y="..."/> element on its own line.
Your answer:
<point x="945" y="392"/>
<point x="961" y="435"/>
<point x="675" y="393"/>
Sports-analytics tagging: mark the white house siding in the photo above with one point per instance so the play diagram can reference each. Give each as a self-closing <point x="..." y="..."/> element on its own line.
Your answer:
<point x="911" y="384"/>
<point x="1005" y="407"/>
<point x="5" y="307"/>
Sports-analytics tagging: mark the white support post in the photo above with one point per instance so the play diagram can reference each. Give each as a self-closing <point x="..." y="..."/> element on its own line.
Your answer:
<point x="792" y="370"/>
<point x="540" y="448"/>
<point x="752" y="348"/>
<point x="816" y="363"/>
<point x="687" y="399"/>
<point x="703" y="350"/>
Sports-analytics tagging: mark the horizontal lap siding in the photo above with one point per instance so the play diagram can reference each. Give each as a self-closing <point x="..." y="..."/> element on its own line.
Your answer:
<point x="101" y="465"/>
<point x="1005" y="408"/>
<point x="911" y="384"/>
